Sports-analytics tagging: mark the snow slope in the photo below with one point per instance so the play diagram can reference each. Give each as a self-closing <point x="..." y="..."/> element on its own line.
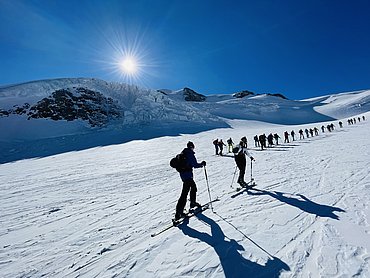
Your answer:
<point x="90" y="213"/>
<point x="88" y="201"/>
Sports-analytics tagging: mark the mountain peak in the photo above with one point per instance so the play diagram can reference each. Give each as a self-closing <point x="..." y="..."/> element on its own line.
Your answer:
<point x="191" y="95"/>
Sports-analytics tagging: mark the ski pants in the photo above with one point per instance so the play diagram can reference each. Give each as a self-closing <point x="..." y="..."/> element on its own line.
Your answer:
<point x="241" y="163"/>
<point x="188" y="185"/>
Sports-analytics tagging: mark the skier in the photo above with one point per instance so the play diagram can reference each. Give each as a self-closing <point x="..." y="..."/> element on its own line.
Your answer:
<point x="262" y="139"/>
<point x="245" y="141"/>
<point x="286" y="137"/>
<point x="292" y="133"/>
<point x="230" y="144"/>
<point x="241" y="161"/>
<point x="340" y="124"/>
<point x="301" y="136"/>
<point x="311" y="132"/>
<point x="188" y="181"/>
<point x="276" y="136"/>
<point x="270" y="140"/>
<point x="221" y="146"/>
<point x="256" y="141"/>
<point x="307" y="133"/>
<point x="215" y="142"/>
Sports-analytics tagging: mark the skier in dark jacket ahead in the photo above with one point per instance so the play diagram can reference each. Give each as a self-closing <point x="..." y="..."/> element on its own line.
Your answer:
<point x="241" y="161"/>
<point x="188" y="181"/>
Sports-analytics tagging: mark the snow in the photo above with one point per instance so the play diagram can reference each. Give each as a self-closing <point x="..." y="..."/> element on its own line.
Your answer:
<point x="89" y="212"/>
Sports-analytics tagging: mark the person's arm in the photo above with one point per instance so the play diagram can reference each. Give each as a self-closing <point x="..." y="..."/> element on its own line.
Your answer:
<point x="193" y="161"/>
<point x="244" y="150"/>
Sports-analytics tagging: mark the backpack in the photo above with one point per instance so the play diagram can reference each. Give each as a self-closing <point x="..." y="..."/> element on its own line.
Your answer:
<point x="179" y="162"/>
<point x="235" y="150"/>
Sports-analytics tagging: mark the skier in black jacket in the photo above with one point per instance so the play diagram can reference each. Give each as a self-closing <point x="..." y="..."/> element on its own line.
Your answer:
<point x="241" y="161"/>
<point x="188" y="181"/>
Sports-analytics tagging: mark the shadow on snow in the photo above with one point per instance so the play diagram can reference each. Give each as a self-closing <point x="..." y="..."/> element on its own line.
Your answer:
<point x="25" y="149"/>
<point x="232" y="262"/>
<point x="303" y="203"/>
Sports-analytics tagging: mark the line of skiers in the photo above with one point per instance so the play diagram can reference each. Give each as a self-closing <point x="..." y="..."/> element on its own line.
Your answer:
<point x="186" y="161"/>
<point x="353" y="120"/>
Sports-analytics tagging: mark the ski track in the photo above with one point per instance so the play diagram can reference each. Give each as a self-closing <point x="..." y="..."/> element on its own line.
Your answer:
<point x="67" y="217"/>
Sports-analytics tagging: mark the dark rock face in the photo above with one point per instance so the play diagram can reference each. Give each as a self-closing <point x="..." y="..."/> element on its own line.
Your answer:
<point x="63" y="104"/>
<point x="278" y="95"/>
<point x="191" y="95"/>
<point x="243" y="94"/>
<point x="249" y="93"/>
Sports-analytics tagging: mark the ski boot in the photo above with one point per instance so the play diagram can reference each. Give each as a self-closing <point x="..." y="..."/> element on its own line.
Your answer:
<point x="179" y="215"/>
<point x="195" y="205"/>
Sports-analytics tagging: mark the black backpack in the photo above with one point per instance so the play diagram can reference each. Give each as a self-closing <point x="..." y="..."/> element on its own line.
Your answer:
<point x="236" y="150"/>
<point x="179" y="162"/>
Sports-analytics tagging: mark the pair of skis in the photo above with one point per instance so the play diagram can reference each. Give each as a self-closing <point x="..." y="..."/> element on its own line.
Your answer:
<point x="247" y="185"/>
<point x="188" y="215"/>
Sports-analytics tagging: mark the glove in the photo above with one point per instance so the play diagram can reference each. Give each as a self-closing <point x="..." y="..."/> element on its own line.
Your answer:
<point x="203" y="163"/>
<point x="252" y="158"/>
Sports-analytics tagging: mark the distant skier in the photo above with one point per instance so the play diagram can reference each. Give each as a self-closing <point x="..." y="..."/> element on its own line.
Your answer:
<point x="276" y="136"/>
<point x="311" y="132"/>
<point x="241" y="162"/>
<point x="221" y="146"/>
<point x="256" y="141"/>
<point x="245" y="141"/>
<point x="307" y="133"/>
<point x="340" y="124"/>
<point x="301" y="136"/>
<point x="286" y="137"/>
<point x="323" y="129"/>
<point x="316" y="130"/>
<point x="262" y="139"/>
<point x="292" y="133"/>
<point x="270" y="140"/>
<point x="188" y="181"/>
<point x="230" y="144"/>
<point x="215" y="143"/>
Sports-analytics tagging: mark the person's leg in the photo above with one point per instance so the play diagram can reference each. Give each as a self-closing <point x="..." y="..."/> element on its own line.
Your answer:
<point x="193" y="194"/>
<point x="241" y="163"/>
<point x="182" y="200"/>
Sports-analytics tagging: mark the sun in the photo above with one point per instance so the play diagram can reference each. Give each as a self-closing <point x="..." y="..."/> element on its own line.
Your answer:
<point x="129" y="65"/>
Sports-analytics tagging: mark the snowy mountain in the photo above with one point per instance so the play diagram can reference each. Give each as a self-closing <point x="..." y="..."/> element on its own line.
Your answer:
<point x="80" y="113"/>
<point x="89" y="200"/>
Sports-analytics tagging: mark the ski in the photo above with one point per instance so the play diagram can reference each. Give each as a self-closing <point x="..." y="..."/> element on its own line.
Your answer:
<point x="190" y="214"/>
<point x="247" y="185"/>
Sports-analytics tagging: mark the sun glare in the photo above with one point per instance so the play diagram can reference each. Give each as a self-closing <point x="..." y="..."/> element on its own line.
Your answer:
<point x="126" y="55"/>
<point x="129" y="65"/>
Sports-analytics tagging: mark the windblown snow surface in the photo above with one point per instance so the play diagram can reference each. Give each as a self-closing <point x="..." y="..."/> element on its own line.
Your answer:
<point x="91" y="213"/>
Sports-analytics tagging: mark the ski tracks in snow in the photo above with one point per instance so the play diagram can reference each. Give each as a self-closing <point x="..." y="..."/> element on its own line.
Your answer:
<point x="91" y="213"/>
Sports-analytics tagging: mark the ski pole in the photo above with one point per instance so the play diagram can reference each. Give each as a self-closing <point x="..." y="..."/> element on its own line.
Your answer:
<point x="209" y="192"/>
<point x="251" y="170"/>
<point x="232" y="182"/>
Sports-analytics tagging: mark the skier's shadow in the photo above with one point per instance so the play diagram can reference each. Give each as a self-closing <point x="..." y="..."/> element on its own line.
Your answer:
<point x="232" y="262"/>
<point x="303" y="203"/>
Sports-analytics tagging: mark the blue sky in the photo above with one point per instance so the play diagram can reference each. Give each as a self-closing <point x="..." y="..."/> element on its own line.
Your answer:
<point x="298" y="48"/>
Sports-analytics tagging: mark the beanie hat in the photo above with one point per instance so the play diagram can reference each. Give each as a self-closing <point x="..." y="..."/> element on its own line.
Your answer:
<point x="190" y="145"/>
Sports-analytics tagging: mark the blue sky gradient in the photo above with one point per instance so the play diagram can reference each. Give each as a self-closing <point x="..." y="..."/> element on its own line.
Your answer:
<point x="301" y="49"/>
